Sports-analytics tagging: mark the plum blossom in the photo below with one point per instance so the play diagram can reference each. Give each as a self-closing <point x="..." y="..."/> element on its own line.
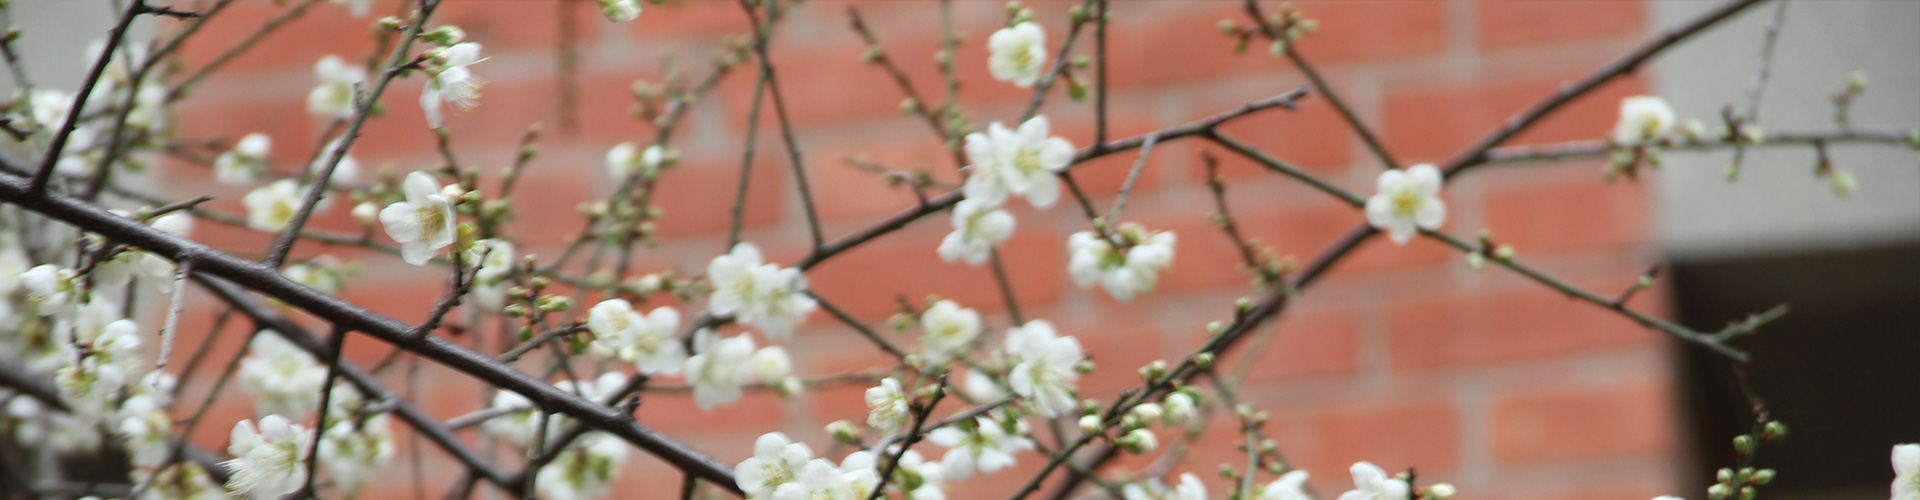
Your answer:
<point x="627" y="159"/>
<point x="620" y="11"/>
<point x="1043" y="369"/>
<point x="1179" y="408"/>
<point x="49" y="288"/>
<point x="1019" y="54"/>
<point x="1643" y="118"/>
<point x="144" y="427"/>
<point x="356" y="451"/>
<point x="495" y="257"/>
<point x="1370" y="482"/>
<point x="272" y="207"/>
<point x="246" y="162"/>
<point x="518" y="424"/>
<point x="270" y="461"/>
<point x="984" y="446"/>
<point x="818" y="480"/>
<point x="1288" y="487"/>
<point x="771" y="366"/>
<point x="887" y="406"/>
<point x="762" y="294"/>
<point x="978" y="227"/>
<point x="1408" y="200"/>
<point x="1123" y="272"/>
<point x="333" y="97"/>
<point x="947" y="329"/>
<point x="646" y="341"/>
<point x="1906" y="472"/>
<point x="454" y="83"/>
<point x="423" y="223"/>
<point x="585" y="470"/>
<point x="282" y="378"/>
<point x="1019" y="161"/>
<point x="1190" y="488"/>
<point x="718" y="368"/>
<point x="776" y="461"/>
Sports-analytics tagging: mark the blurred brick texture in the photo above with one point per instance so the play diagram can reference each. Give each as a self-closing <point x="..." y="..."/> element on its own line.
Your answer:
<point x="1402" y="356"/>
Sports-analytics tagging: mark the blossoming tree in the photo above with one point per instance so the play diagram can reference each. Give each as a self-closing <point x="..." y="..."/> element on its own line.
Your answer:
<point x="85" y="250"/>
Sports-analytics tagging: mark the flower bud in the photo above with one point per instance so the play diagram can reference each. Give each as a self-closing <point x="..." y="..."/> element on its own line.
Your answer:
<point x="555" y="303"/>
<point x="1842" y="182"/>
<point x="1748" y="492"/>
<point x="1149" y="413"/>
<point x="1773" y="431"/>
<point x="365" y="213"/>
<point x="1085" y="366"/>
<point x="1441" y="491"/>
<point x="1180" y="408"/>
<point x="1743" y="444"/>
<point x="1091" y="425"/>
<point x="844" y="432"/>
<point x="1203" y="360"/>
<point x="1139" y="442"/>
<point x="1719" y="491"/>
<point x="1154" y="370"/>
<point x="1763" y="476"/>
<point x="1227" y="27"/>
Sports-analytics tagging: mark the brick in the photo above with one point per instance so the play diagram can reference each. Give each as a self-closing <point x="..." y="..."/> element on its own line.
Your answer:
<point x="1510" y="23"/>
<point x="1583" y="214"/>
<point x="1633" y="419"/>
<point x="1393" y="435"/>
<point x="866" y="280"/>
<point x="1428" y="123"/>
<point x="1185" y="44"/>
<point x="676" y="414"/>
<point x="1305" y="344"/>
<point x="291" y="47"/>
<point x="1119" y="344"/>
<point x="1313" y="138"/>
<point x="533" y="26"/>
<point x="690" y="19"/>
<point x="845" y="192"/>
<point x="1525" y="324"/>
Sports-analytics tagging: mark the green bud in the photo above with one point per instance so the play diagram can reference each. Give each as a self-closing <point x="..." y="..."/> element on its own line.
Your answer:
<point x="1085" y="366"/>
<point x="1227" y="27"/>
<point x="1216" y="327"/>
<point x="900" y="322"/>
<point x="1719" y="491"/>
<point x="1763" y="476"/>
<point x="555" y="303"/>
<point x="1723" y="475"/>
<point x="1503" y="252"/>
<point x="909" y="106"/>
<point x="1773" y="431"/>
<point x="1154" y="370"/>
<point x="1203" y="360"/>
<point x="1442" y="491"/>
<point x="514" y="311"/>
<point x="1277" y="48"/>
<point x="1091" y="425"/>
<point x="1475" y="261"/>
<point x="1856" y="81"/>
<point x="1138" y="442"/>
<point x="844" y="432"/>
<point x="1747" y="493"/>
<point x="872" y="55"/>
<point x="1743" y="444"/>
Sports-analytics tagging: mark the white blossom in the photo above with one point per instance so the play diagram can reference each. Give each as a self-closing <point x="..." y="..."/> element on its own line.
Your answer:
<point x="887" y="406"/>
<point x="1180" y="408"/>
<point x="324" y="273"/>
<point x="718" y="368"/>
<point x="1044" y="365"/>
<point x="1122" y="272"/>
<point x="520" y="422"/>
<point x="1906" y="472"/>
<point x="1643" y="118"/>
<point x="947" y="330"/>
<point x="49" y="107"/>
<point x="647" y="341"/>
<point x="776" y="460"/>
<point x="272" y="207"/>
<point x="981" y="386"/>
<point x="496" y="259"/>
<point x="268" y="462"/>
<point x="423" y="223"/>
<point x="762" y="294"/>
<point x="1289" y="486"/>
<point x="333" y="98"/>
<point x="347" y="171"/>
<point x="49" y="288"/>
<point x="144" y="427"/>
<point x="283" y="379"/>
<point x="1020" y="161"/>
<point x="627" y="159"/>
<point x="985" y="447"/>
<point x="978" y="227"/>
<point x="817" y="480"/>
<point x="585" y="470"/>
<point x="1190" y="488"/>
<point x="620" y="11"/>
<point x="247" y="161"/>
<point x="770" y="366"/>
<point x="454" y="83"/>
<point x="1370" y="482"/>
<point x="355" y="451"/>
<point x="1019" y="54"/>
<point x="87" y="386"/>
<point x="177" y="223"/>
<point x="182" y="481"/>
<point x="1407" y="200"/>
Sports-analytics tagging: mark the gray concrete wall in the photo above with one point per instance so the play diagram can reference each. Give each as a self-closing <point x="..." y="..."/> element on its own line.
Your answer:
<point x="1778" y="205"/>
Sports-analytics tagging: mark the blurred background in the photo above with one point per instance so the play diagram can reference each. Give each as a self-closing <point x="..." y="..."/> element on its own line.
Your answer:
<point x="1403" y="356"/>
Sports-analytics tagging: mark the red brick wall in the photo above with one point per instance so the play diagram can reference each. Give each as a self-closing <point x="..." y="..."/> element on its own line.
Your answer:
<point x="1402" y="356"/>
